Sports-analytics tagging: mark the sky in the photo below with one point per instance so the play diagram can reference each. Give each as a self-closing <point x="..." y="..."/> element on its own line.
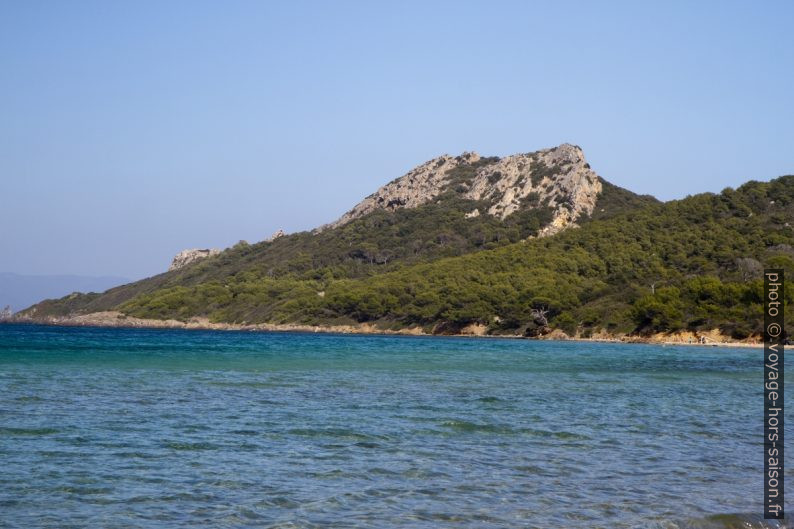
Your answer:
<point x="132" y="130"/>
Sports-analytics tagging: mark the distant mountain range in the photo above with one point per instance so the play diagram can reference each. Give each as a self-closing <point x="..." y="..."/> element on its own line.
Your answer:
<point x="528" y="244"/>
<point x="22" y="291"/>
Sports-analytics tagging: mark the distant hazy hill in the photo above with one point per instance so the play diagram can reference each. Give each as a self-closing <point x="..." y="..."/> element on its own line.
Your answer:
<point x="22" y="291"/>
<point x="522" y="245"/>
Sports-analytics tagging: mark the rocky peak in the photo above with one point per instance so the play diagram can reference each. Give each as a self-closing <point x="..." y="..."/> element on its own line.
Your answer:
<point x="417" y="187"/>
<point x="185" y="257"/>
<point x="557" y="178"/>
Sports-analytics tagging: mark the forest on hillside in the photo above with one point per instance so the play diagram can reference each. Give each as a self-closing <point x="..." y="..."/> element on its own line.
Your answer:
<point x="693" y="264"/>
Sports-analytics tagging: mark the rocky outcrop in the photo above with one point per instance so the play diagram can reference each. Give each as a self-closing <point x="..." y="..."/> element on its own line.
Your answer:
<point x="277" y="235"/>
<point x="185" y="257"/>
<point x="417" y="187"/>
<point x="558" y="178"/>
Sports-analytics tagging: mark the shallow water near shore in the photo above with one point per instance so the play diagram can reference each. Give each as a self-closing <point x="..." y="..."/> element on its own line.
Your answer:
<point x="175" y="428"/>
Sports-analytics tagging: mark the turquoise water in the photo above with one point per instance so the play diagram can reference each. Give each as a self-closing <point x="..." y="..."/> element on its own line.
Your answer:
<point x="170" y="428"/>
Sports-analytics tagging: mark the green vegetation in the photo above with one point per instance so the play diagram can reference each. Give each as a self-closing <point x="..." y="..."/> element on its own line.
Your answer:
<point x="462" y="176"/>
<point x="615" y="200"/>
<point x="637" y="266"/>
<point x="539" y="171"/>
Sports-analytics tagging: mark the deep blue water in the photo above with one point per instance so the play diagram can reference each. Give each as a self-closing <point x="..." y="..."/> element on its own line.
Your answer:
<point x="171" y="428"/>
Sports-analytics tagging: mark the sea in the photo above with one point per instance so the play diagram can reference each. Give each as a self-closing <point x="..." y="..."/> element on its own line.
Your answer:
<point x="153" y="428"/>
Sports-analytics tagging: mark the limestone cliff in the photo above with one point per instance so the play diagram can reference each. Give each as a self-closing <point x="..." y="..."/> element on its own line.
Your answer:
<point x="558" y="178"/>
<point x="417" y="187"/>
<point x="185" y="257"/>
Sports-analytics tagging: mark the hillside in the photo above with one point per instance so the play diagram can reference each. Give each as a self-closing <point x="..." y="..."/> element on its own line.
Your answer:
<point x="633" y="265"/>
<point x="427" y="214"/>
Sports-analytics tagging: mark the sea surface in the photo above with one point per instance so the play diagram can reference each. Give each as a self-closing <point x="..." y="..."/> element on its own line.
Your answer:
<point x="174" y="428"/>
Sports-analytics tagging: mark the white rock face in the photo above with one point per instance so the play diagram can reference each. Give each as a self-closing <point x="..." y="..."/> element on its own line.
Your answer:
<point x="419" y="186"/>
<point x="278" y="234"/>
<point x="559" y="178"/>
<point x="472" y="214"/>
<point x="185" y="257"/>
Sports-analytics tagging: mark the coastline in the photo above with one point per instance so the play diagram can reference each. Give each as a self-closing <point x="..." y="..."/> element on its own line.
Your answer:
<point x="117" y="319"/>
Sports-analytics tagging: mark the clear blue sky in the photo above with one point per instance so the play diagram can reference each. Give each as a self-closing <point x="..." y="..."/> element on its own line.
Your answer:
<point x="132" y="130"/>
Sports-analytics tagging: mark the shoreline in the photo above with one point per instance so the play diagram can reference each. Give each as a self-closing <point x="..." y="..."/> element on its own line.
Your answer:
<point x="115" y="319"/>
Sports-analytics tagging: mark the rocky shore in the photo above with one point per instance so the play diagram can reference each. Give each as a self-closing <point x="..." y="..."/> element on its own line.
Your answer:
<point x="117" y="319"/>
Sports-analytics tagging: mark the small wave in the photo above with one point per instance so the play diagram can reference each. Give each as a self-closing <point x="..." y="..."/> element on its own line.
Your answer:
<point x="177" y="445"/>
<point x="367" y="444"/>
<point x="533" y="469"/>
<point x="31" y="398"/>
<point x="249" y="385"/>
<point x="244" y="432"/>
<point x="179" y="497"/>
<point x="340" y="433"/>
<point x="473" y="427"/>
<point x="136" y="455"/>
<point x="282" y="502"/>
<point x="382" y="471"/>
<point x="84" y="491"/>
<point x="27" y="432"/>
<point x="467" y="426"/>
<point x="562" y="435"/>
<point x="329" y="474"/>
